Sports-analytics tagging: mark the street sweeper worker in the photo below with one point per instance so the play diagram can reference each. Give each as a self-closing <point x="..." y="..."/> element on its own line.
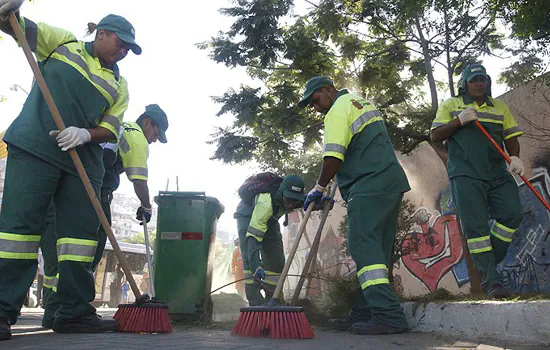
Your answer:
<point x="358" y="150"/>
<point x="92" y="97"/>
<point x="128" y="155"/>
<point x="481" y="183"/>
<point x="260" y="234"/>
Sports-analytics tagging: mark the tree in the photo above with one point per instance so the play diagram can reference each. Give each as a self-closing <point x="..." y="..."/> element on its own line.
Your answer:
<point x="530" y="18"/>
<point x="392" y="52"/>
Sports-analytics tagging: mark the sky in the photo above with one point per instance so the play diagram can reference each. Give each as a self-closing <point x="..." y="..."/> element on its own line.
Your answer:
<point x="171" y="72"/>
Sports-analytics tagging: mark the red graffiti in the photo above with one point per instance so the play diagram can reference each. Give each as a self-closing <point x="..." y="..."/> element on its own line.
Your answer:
<point x="432" y="247"/>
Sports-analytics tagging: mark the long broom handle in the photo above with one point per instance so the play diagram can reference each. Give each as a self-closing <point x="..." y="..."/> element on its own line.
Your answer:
<point x="147" y="250"/>
<point x="314" y="248"/>
<point x="281" y="282"/>
<point x="499" y="149"/>
<point x="72" y="152"/>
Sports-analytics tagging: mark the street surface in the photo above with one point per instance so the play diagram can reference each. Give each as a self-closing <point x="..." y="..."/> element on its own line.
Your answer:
<point x="29" y="335"/>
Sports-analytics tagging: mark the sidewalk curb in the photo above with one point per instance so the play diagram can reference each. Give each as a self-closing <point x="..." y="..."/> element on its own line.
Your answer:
<point x="526" y="322"/>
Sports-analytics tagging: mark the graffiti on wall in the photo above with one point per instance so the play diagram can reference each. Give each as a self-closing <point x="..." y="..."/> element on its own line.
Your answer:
<point x="432" y="247"/>
<point x="525" y="268"/>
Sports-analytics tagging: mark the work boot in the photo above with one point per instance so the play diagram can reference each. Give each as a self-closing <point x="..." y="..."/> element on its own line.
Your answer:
<point x="374" y="328"/>
<point x="85" y="324"/>
<point x="48" y="324"/>
<point x="497" y="291"/>
<point x="345" y="323"/>
<point x="5" y="329"/>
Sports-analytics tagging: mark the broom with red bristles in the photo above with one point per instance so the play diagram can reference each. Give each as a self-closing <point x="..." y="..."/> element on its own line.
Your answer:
<point x="156" y="318"/>
<point x="276" y="320"/>
<point x="144" y="316"/>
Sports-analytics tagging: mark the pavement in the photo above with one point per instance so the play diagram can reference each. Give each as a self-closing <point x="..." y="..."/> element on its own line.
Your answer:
<point x="29" y="335"/>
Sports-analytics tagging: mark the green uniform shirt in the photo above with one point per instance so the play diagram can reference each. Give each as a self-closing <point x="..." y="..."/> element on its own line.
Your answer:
<point x="470" y="153"/>
<point x="264" y="216"/>
<point x="86" y="94"/>
<point x="134" y="152"/>
<point x="356" y="134"/>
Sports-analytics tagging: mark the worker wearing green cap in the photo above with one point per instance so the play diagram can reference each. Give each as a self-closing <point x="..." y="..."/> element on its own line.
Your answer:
<point x="358" y="151"/>
<point x="260" y="234"/>
<point x="91" y="96"/>
<point x="482" y="187"/>
<point x="129" y="155"/>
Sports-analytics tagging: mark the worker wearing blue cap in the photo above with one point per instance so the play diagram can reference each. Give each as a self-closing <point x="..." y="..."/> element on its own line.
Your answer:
<point x="91" y="96"/>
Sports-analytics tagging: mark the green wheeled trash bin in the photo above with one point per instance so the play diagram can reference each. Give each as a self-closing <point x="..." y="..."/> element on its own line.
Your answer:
<point x="184" y="253"/>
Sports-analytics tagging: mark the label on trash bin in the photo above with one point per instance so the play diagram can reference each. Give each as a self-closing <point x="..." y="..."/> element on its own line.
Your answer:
<point x="177" y="236"/>
<point x="174" y="236"/>
<point x="192" y="236"/>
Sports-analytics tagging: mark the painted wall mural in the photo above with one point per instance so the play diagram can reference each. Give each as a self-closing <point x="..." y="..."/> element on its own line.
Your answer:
<point x="525" y="268"/>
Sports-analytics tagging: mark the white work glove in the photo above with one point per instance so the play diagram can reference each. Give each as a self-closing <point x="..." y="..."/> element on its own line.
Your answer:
<point x="71" y="137"/>
<point x="467" y="116"/>
<point x="516" y="166"/>
<point x="9" y="5"/>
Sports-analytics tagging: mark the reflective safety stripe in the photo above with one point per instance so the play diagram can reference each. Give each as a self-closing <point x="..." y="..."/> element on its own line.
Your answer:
<point x="112" y="120"/>
<point x="255" y="232"/>
<point x="334" y="147"/>
<point x="480" y="245"/>
<point x="372" y="275"/>
<point x="490" y="116"/>
<point x="55" y="283"/>
<point x="484" y="117"/>
<point x="136" y="171"/>
<point x="502" y="232"/>
<point x="64" y="51"/>
<point x="31" y="34"/>
<point x="362" y="120"/>
<point x="512" y="130"/>
<point x="437" y="124"/>
<point x="248" y="275"/>
<point x="74" y="249"/>
<point x="124" y="146"/>
<point x="49" y="282"/>
<point x="17" y="246"/>
<point x="271" y="277"/>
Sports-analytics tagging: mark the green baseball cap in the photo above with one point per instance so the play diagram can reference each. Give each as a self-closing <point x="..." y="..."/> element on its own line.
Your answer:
<point x="293" y="187"/>
<point x="313" y="85"/>
<point x="122" y="28"/>
<point x="158" y="116"/>
<point x="473" y="70"/>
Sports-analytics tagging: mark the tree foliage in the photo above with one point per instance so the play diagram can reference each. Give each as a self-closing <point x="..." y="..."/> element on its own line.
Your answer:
<point x="401" y="55"/>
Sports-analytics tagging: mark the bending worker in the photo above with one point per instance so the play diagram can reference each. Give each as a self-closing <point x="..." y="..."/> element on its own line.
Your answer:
<point x="358" y="150"/>
<point x="92" y="97"/>
<point x="260" y="236"/>
<point x="481" y="186"/>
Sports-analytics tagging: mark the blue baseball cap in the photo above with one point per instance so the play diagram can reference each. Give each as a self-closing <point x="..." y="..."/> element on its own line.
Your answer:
<point x="122" y="28"/>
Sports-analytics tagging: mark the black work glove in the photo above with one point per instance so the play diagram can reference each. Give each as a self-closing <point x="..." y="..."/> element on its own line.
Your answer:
<point x="143" y="212"/>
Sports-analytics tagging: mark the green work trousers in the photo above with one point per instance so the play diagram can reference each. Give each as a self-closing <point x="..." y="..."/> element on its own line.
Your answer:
<point x="30" y="185"/>
<point x="48" y="245"/>
<point x="476" y="202"/>
<point x="269" y="253"/>
<point x="371" y="235"/>
<point x="106" y="199"/>
<point x="49" y="252"/>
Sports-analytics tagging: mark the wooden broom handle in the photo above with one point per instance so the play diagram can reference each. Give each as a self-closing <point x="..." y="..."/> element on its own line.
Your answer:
<point x="281" y="282"/>
<point x="499" y="149"/>
<point x="314" y="247"/>
<point x="73" y="153"/>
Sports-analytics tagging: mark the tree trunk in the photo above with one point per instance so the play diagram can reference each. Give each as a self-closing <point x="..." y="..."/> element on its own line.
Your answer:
<point x="450" y="67"/>
<point x="428" y="66"/>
